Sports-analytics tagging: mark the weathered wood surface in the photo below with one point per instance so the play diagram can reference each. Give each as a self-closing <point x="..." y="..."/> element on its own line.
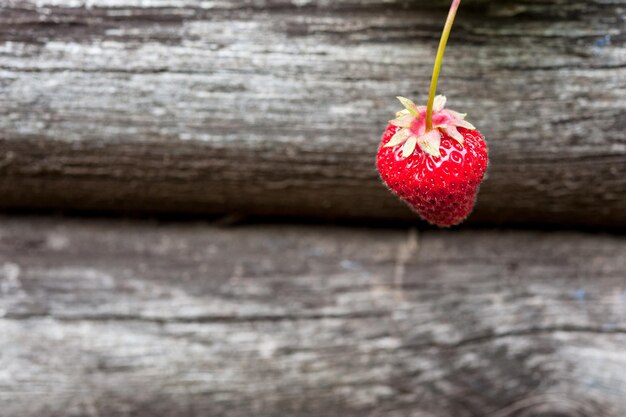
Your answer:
<point x="275" y="107"/>
<point x="104" y="318"/>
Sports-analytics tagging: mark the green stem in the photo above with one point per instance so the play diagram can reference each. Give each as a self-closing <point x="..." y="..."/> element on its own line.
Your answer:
<point x="440" y="52"/>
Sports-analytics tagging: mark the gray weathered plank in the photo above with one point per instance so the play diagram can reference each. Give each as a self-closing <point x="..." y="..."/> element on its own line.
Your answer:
<point x="275" y="107"/>
<point x="107" y="318"/>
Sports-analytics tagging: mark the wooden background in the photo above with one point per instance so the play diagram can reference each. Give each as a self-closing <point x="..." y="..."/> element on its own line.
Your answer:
<point x="242" y="108"/>
<point x="276" y="107"/>
<point x="111" y="318"/>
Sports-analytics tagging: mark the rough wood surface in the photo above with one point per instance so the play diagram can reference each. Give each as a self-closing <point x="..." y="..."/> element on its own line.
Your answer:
<point x="103" y="318"/>
<point x="276" y="106"/>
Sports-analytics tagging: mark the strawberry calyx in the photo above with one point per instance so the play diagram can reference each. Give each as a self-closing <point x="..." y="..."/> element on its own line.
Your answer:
<point x="412" y="121"/>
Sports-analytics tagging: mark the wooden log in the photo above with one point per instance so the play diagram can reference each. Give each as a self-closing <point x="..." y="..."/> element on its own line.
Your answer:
<point x="275" y="107"/>
<point x="107" y="318"/>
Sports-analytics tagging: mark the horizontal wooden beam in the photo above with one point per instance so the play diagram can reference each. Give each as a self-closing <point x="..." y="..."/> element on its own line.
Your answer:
<point x="276" y="107"/>
<point x="148" y="319"/>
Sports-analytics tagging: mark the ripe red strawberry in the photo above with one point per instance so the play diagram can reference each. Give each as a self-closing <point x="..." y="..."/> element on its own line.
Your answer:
<point x="431" y="157"/>
<point x="437" y="173"/>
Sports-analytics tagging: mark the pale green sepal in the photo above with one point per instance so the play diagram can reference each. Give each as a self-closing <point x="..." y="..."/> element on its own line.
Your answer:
<point x="401" y="136"/>
<point x="454" y="133"/>
<point x="440" y="103"/>
<point x="463" y="123"/>
<point x="429" y="142"/>
<point x="403" y="121"/>
<point x="409" y="105"/>
<point x="409" y="146"/>
<point x="456" y="114"/>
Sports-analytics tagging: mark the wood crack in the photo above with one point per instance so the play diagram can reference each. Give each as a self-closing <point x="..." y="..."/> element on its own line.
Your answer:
<point x="193" y="319"/>
<point x="529" y="332"/>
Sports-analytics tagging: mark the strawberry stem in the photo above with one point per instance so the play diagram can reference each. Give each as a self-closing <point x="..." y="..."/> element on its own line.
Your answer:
<point x="438" y="60"/>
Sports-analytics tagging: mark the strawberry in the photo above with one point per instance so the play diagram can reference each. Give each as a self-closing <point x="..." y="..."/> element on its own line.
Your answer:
<point x="437" y="173"/>
<point x="431" y="157"/>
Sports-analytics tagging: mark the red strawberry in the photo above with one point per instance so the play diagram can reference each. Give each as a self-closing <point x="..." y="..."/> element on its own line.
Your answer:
<point x="437" y="173"/>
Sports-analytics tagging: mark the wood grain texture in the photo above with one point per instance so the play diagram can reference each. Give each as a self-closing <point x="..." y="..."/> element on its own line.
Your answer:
<point x="275" y="107"/>
<point x="107" y="318"/>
